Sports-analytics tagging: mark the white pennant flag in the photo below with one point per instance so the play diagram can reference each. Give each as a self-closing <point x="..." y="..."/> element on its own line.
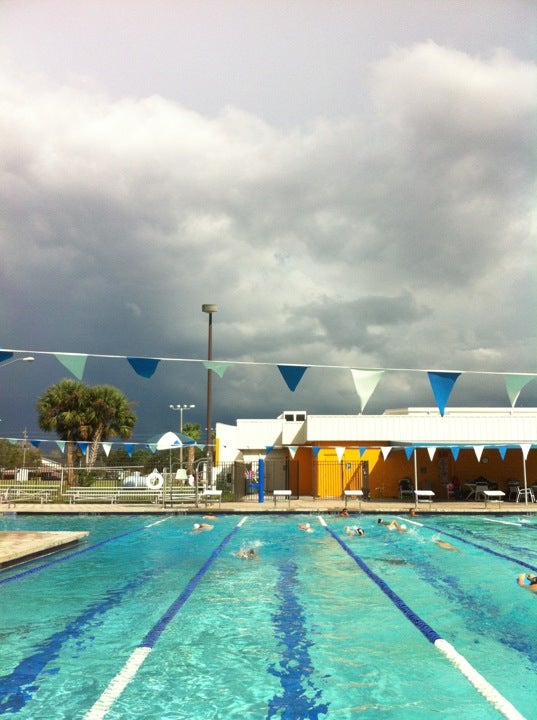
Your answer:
<point x="340" y="451"/>
<point x="365" y="382"/>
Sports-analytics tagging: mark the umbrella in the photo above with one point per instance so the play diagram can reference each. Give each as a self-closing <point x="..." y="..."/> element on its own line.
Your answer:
<point x="169" y="441"/>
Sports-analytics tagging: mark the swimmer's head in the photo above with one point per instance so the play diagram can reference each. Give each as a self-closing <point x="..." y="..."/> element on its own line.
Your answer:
<point x="379" y="521"/>
<point x="196" y="526"/>
<point x="360" y="531"/>
<point x="403" y="527"/>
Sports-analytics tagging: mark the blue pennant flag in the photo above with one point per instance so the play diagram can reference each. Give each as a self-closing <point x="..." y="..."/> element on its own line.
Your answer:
<point x="442" y="384"/>
<point x="143" y="366"/>
<point x="292" y="374"/>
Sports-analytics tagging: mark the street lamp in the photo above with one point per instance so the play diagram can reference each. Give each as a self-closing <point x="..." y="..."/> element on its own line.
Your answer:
<point x="28" y="358"/>
<point x="209" y="309"/>
<point x="181" y="409"/>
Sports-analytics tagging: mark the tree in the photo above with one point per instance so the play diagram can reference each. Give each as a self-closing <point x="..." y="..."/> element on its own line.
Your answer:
<point x="62" y="409"/>
<point x="109" y="415"/>
<point x="193" y="431"/>
<point x="77" y="412"/>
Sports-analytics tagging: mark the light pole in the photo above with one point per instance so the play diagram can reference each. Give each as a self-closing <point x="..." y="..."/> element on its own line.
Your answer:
<point x="209" y="309"/>
<point x="28" y="358"/>
<point x="181" y="409"/>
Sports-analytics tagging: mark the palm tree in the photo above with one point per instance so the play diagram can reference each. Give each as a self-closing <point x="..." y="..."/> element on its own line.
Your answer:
<point x="193" y="431"/>
<point x="109" y="414"/>
<point x="63" y="409"/>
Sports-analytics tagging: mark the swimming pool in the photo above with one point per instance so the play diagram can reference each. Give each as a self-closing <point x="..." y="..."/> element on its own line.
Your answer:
<point x="149" y="619"/>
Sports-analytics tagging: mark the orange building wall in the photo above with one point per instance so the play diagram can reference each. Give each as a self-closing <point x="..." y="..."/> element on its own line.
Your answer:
<point x="324" y="476"/>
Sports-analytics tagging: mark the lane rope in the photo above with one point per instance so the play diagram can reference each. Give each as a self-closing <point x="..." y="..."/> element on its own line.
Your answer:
<point x="489" y="692"/>
<point x="127" y="673"/>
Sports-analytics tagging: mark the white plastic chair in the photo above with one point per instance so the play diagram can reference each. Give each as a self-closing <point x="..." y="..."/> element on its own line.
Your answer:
<point x="525" y="493"/>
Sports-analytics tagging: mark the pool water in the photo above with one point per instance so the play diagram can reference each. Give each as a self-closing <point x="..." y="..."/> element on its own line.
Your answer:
<point x="318" y="625"/>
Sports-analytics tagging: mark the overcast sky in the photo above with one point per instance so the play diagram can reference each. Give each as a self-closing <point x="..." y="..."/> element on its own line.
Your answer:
<point x="351" y="182"/>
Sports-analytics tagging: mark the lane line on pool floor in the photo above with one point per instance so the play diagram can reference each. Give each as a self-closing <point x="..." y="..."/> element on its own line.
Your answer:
<point x="127" y="673"/>
<point x="481" y="684"/>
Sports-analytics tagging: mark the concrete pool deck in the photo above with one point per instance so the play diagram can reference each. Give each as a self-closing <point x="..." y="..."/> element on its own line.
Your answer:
<point x="21" y="546"/>
<point x="302" y="505"/>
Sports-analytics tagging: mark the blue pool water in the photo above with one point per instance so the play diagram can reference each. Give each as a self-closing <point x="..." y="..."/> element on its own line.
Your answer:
<point x="148" y="619"/>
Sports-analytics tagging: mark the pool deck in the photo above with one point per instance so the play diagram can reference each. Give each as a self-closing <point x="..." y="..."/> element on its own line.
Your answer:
<point x="21" y="546"/>
<point x="302" y="505"/>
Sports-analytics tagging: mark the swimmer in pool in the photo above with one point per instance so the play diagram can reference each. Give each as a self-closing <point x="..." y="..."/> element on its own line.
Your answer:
<point x="444" y="545"/>
<point x="201" y="527"/>
<point x="528" y="581"/>
<point x="393" y="525"/>
<point x="249" y="554"/>
<point x="306" y="527"/>
<point x="354" y="530"/>
<point x="344" y="513"/>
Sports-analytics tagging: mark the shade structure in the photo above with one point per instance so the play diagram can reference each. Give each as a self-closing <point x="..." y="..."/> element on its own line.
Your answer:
<point x="171" y="440"/>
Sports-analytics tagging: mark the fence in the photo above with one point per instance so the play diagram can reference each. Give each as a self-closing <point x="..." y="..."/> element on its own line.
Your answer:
<point x="238" y="481"/>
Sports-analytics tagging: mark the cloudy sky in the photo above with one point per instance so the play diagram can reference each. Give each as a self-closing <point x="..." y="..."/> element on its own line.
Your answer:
<point x="352" y="183"/>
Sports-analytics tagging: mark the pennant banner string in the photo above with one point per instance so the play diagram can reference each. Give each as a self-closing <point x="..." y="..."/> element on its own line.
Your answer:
<point x="254" y="363"/>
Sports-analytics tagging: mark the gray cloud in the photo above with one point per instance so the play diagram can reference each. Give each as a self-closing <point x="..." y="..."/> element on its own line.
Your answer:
<point x="399" y="236"/>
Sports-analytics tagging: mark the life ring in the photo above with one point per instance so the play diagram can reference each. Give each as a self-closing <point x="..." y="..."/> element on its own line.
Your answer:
<point x="154" y="481"/>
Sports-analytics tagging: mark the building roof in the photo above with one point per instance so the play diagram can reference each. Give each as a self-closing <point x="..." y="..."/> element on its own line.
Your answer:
<point x="409" y="426"/>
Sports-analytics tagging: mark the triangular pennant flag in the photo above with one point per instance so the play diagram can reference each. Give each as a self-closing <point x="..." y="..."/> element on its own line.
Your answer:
<point x="442" y="384"/>
<point x="431" y="451"/>
<point x="83" y="447"/>
<point x="152" y="447"/>
<point x="292" y="451"/>
<point x="61" y="445"/>
<point x="408" y="452"/>
<point x="129" y="448"/>
<point x="268" y="449"/>
<point x="143" y="366"/>
<point x="362" y="451"/>
<point x="478" y="449"/>
<point x="525" y="447"/>
<point x="76" y="364"/>
<point x="365" y="382"/>
<point x="13" y="441"/>
<point x="106" y="447"/>
<point x="340" y="451"/>
<point x="217" y="367"/>
<point x="315" y="449"/>
<point x="514" y="384"/>
<point x="385" y="450"/>
<point x="5" y="355"/>
<point x="455" y="452"/>
<point x="292" y="374"/>
<point x="502" y="449"/>
<point x="35" y="443"/>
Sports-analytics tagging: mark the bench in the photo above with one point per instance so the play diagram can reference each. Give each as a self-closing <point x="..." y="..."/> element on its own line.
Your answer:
<point x="11" y="495"/>
<point x="180" y="494"/>
<point x="282" y="493"/>
<point x="93" y="494"/>
<point x="208" y="494"/>
<point x="424" y="495"/>
<point x="358" y="494"/>
<point x="493" y="496"/>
